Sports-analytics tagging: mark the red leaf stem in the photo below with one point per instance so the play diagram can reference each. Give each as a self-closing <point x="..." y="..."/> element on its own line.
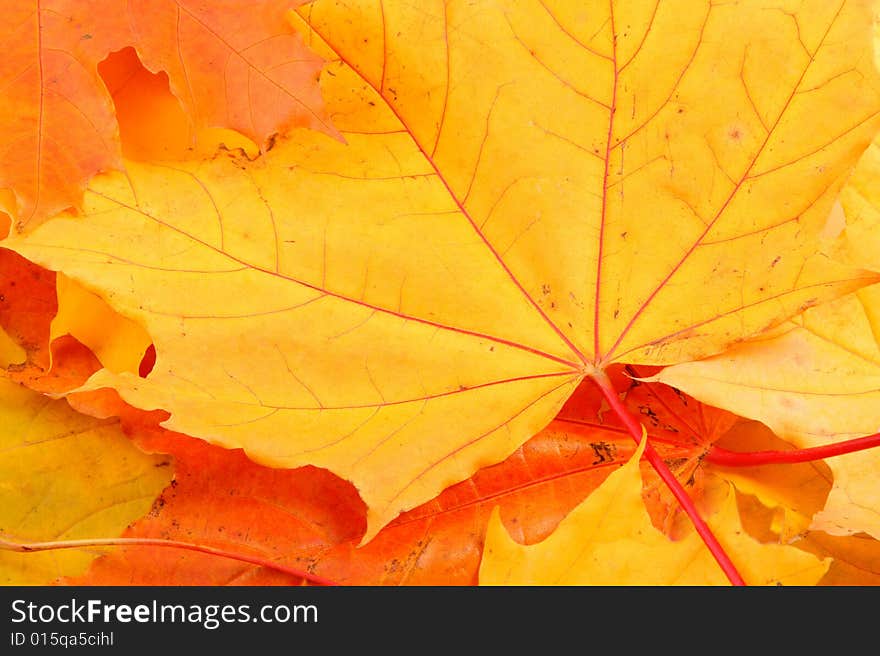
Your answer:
<point x="635" y="429"/>
<point x="721" y="456"/>
<point x="30" y="547"/>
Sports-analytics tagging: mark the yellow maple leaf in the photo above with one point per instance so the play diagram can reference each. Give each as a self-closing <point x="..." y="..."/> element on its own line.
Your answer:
<point x="43" y="498"/>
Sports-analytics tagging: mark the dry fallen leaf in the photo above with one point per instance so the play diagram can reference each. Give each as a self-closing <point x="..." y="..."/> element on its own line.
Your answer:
<point x="43" y="498"/>
<point x="57" y="117"/>
<point x="57" y="120"/>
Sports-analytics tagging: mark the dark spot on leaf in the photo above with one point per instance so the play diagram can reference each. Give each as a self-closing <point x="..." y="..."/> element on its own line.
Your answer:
<point x="675" y="463"/>
<point x="604" y="451"/>
<point x="650" y="414"/>
<point x="157" y="506"/>
<point x="148" y="361"/>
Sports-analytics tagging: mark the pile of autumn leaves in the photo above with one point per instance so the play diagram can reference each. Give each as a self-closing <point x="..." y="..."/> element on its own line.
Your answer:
<point x="315" y="293"/>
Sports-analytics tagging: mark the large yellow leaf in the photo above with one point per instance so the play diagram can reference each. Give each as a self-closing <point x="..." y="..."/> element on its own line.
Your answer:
<point x="527" y="191"/>
<point x="65" y="476"/>
<point x="609" y="540"/>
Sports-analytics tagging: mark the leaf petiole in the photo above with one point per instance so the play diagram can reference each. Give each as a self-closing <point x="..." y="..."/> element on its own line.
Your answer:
<point x="31" y="547"/>
<point x="636" y="431"/>
<point x="719" y="456"/>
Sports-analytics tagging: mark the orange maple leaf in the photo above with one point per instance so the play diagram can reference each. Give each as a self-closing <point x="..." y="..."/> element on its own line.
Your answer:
<point x="232" y="64"/>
